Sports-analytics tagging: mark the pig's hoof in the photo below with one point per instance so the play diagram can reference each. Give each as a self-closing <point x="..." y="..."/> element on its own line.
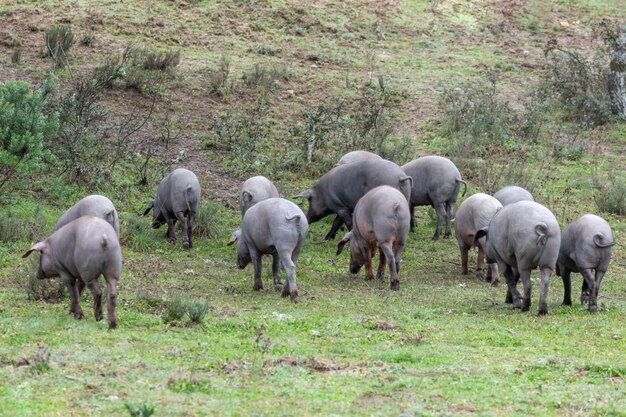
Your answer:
<point x="329" y="236"/>
<point x="517" y="304"/>
<point x="171" y="240"/>
<point x="186" y="245"/>
<point x="395" y="286"/>
<point x="593" y="309"/>
<point x="257" y="287"/>
<point x="369" y="277"/>
<point x="478" y="272"/>
<point x="278" y="287"/>
<point x="380" y="275"/>
<point x="113" y="325"/>
<point x="495" y="283"/>
<point x="78" y="315"/>
<point x="584" y="298"/>
<point x="294" y="296"/>
<point x="435" y="238"/>
<point x="543" y="311"/>
<point x="567" y="303"/>
<point x="98" y="316"/>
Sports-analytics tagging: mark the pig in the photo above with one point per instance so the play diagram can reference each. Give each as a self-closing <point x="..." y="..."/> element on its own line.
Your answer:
<point x="339" y="190"/>
<point x="521" y="237"/>
<point x="92" y="205"/>
<point x="474" y="214"/>
<point x="256" y="189"/>
<point x="178" y="196"/>
<point x="436" y="182"/>
<point x="586" y="245"/>
<point x="79" y="253"/>
<point x="380" y="221"/>
<point x="276" y="227"/>
<point x="356" y="156"/>
<point x="512" y="194"/>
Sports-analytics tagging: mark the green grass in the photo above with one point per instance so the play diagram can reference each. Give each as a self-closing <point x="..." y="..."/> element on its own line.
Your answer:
<point x="443" y="345"/>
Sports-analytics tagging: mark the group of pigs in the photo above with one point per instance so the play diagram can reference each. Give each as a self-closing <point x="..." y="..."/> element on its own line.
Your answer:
<point x="375" y="199"/>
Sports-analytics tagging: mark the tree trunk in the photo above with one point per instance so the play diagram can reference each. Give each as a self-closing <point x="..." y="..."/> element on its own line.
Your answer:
<point x="617" y="76"/>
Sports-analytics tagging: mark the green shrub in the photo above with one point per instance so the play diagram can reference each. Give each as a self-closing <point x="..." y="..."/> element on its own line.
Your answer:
<point x="579" y="83"/>
<point x="58" y="40"/>
<point x="219" y="82"/>
<point x="142" y="410"/>
<point x="266" y="79"/>
<point x="611" y="194"/>
<point x="175" y="309"/>
<point x="207" y="220"/>
<point x="88" y="40"/>
<point x="16" y="55"/>
<point x="197" y="310"/>
<point x="26" y="127"/>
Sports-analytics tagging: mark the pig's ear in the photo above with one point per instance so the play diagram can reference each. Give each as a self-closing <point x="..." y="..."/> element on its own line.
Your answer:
<point x="247" y="196"/>
<point x="37" y="247"/>
<point x="305" y="194"/>
<point x="150" y="207"/>
<point x="343" y="241"/>
<point x="480" y="234"/>
<point x="234" y="237"/>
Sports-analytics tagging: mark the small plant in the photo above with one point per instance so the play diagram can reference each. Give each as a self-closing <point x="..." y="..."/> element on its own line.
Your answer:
<point x="611" y="194"/>
<point x="175" y="309"/>
<point x="16" y="55"/>
<point x="40" y="363"/>
<point x="197" y="310"/>
<point x="219" y="80"/>
<point x="58" y="40"/>
<point x="207" y="220"/>
<point x="266" y="79"/>
<point x="47" y="290"/>
<point x="188" y="385"/>
<point x="160" y="60"/>
<point x="142" y="410"/>
<point x="88" y="40"/>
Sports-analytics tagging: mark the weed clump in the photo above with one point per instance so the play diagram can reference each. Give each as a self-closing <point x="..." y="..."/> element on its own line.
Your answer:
<point x="174" y="310"/>
<point x="196" y="310"/>
<point x="611" y="194"/>
<point x="142" y="410"/>
<point x="219" y="83"/>
<point x="58" y="41"/>
<point x="207" y="221"/>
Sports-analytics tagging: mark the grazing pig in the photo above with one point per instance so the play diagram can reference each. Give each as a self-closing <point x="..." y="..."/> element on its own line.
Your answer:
<point x="356" y="156"/>
<point x="586" y="245"/>
<point x="436" y="182"/>
<point x="512" y="194"/>
<point x="178" y="196"/>
<point x="276" y="227"/>
<point x="380" y="220"/>
<point x="255" y="189"/>
<point x="92" y="205"/>
<point x="474" y="214"/>
<point x="521" y="237"/>
<point x="339" y="190"/>
<point x="79" y="253"/>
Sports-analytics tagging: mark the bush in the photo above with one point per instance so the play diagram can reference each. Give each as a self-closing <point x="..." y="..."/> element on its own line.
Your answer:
<point x="207" y="221"/>
<point x="266" y="79"/>
<point x="219" y="82"/>
<point x="16" y="55"/>
<point x="197" y="310"/>
<point x="143" y="410"/>
<point x="58" y="40"/>
<point x="26" y="127"/>
<point x="579" y="84"/>
<point x="47" y="290"/>
<point x="16" y="226"/>
<point x="611" y="194"/>
<point x="174" y="310"/>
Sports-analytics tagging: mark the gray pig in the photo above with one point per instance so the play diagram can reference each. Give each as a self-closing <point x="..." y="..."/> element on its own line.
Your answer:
<point x="276" y="227"/>
<point x="79" y="253"/>
<point x="586" y="245"/>
<point x="474" y="214"/>
<point x="178" y="196"/>
<point x="256" y="189"/>
<point x="356" y="156"/>
<point x="339" y="190"/>
<point x="521" y="237"/>
<point x="92" y="205"/>
<point x="381" y="220"/>
<point x="436" y="183"/>
<point x="512" y="194"/>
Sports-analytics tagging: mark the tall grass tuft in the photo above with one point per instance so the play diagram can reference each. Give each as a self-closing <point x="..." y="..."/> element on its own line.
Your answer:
<point x="58" y="40"/>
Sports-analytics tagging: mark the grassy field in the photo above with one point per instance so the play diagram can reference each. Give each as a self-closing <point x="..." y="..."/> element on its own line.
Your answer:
<point x="445" y="344"/>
